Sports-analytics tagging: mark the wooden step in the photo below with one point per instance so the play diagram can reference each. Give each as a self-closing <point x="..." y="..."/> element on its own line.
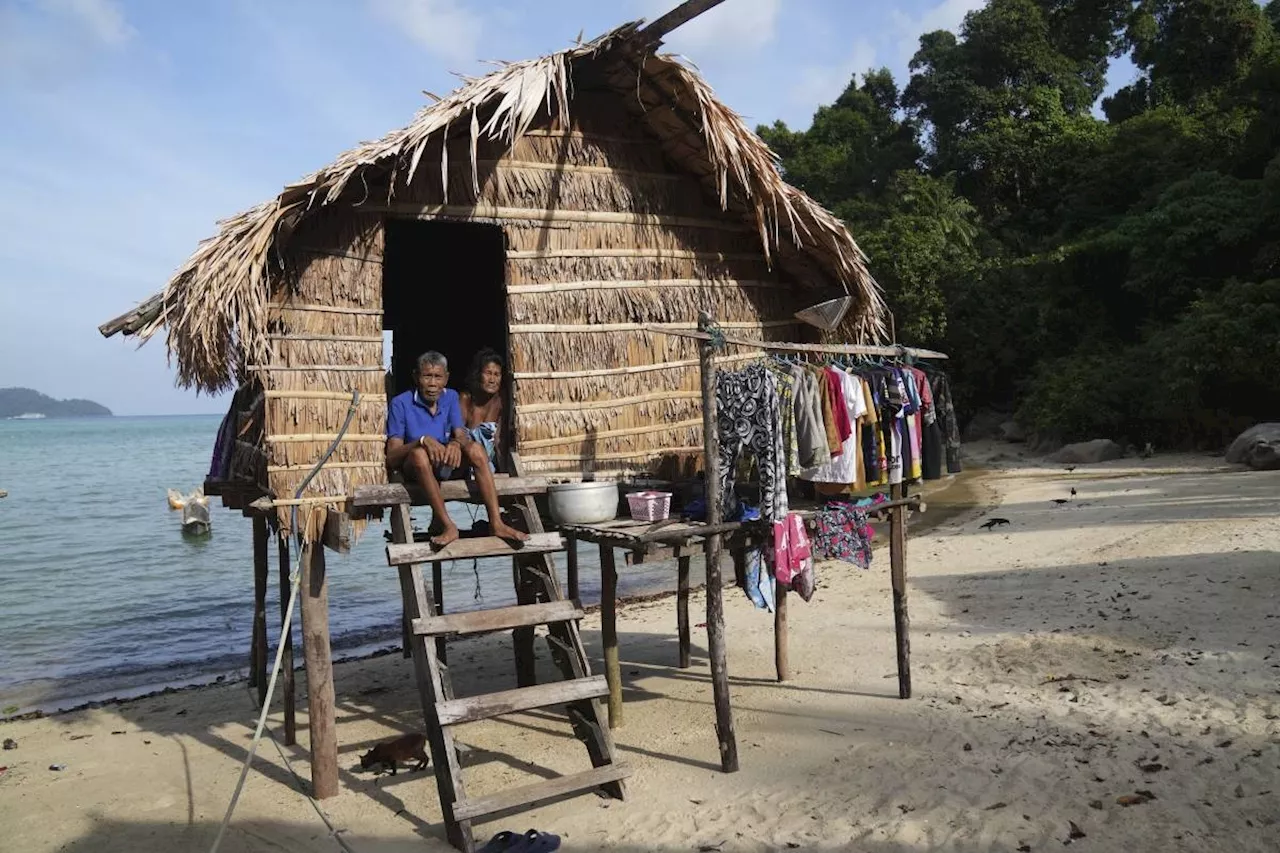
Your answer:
<point x="472" y="708"/>
<point x="500" y="619"/>
<point x="401" y="554"/>
<point x="372" y="498"/>
<point x="549" y="789"/>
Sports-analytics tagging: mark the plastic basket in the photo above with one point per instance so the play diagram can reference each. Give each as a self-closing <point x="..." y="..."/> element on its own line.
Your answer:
<point x="649" y="506"/>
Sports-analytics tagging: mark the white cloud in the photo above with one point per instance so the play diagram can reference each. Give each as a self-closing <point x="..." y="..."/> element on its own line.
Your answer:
<point x="822" y="84"/>
<point x="103" y="20"/>
<point x="946" y="15"/>
<point x="736" y="26"/>
<point x="444" y="27"/>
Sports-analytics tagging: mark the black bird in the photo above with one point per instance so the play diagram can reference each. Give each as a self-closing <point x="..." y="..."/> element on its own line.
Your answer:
<point x="995" y="522"/>
<point x="1071" y="467"/>
<point x="1073" y="491"/>
<point x="1060" y="501"/>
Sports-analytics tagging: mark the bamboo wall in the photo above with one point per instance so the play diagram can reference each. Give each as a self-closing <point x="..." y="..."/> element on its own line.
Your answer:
<point x="604" y="237"/>
<point x="326" y="341"/>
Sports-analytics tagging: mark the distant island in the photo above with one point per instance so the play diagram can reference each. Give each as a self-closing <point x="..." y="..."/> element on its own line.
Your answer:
<point x="19" y="402"/>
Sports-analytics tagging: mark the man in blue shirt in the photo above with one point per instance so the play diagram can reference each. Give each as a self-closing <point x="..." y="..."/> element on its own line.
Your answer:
<point x="428" y="441"/>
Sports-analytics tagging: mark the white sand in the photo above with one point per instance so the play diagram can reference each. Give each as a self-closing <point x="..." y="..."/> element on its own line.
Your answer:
<point x="1153" y="595"/>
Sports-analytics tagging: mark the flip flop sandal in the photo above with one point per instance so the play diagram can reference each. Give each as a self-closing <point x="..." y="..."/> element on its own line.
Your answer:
<point x="502" y="842"/>
<point x="536" y="842"/>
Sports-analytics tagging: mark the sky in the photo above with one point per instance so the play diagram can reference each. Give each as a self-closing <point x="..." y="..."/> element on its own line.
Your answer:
<point x="132" y="126"/>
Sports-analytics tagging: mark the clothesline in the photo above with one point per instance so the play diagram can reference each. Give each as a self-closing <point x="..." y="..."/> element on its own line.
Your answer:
<point x="892" y="350"/>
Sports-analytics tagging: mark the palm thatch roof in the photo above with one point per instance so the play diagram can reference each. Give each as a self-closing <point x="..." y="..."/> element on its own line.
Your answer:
<point x="216" y="305"/>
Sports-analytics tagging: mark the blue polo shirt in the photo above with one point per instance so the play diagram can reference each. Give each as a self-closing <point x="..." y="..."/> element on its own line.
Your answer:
<point x="409" y="418"/>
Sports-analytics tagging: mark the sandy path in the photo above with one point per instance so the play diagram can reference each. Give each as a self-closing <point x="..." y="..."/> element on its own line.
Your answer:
<point x="1153" y="597"/>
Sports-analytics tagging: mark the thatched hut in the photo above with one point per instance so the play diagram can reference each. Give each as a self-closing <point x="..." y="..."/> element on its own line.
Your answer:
<point x="559" y="210"/>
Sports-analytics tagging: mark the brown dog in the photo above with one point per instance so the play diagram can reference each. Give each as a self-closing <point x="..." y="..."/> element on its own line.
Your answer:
<point x="388" y="753"/>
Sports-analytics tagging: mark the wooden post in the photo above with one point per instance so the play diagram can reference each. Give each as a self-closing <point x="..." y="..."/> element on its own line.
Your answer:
<point x="320" y="698"/>
<point x="258" y="677"/>
<point x="780" y="661"/>
<point x="609" y="632"/>
<point x="571" y="561"/>
<point x="898" y="577"/>
<point x="715" y="600"/>
<point x="682" y="608"/>
<point x="286" y="659"/>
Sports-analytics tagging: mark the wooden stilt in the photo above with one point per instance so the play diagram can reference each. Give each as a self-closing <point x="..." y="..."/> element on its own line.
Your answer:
<point x="609" y="632"/>
<point x="258" y="676"/>
<point x="286" y="659"/>
<point x="898" y="578"/>
<point x="522" y="638"/>
<point x="571" y="563"/>
<point x="437" y="601"/>
<point x="320" y="697"/>
<point x="682" y="609"/>
<point x="715" y="593"/>
<point x="780" y="658"/>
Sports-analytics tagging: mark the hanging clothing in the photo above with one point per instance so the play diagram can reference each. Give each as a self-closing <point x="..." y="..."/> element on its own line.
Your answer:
<point x="843" y="468"/>
<point x="841" y="532"/>
<point x="749" y="422"/>
<point x="786" y="406"/>
<point x="834" y="442"/>
<point x="759" y="581"/>
<point x="941" y="386"/>
<point x="811" y="433"/>
<point x="793" y="556"/>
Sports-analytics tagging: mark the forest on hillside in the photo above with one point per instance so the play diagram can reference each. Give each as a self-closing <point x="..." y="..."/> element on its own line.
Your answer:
<point x="1101" y="276"/>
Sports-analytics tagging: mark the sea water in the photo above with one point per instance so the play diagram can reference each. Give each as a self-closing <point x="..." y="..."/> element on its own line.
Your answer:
<point x="102" y="595"/>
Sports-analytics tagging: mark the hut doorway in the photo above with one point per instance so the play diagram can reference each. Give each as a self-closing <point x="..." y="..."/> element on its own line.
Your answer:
<point x="443" y="288"/>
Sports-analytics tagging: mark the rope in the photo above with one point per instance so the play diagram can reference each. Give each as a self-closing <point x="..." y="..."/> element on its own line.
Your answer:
<point x="295" y="581"/>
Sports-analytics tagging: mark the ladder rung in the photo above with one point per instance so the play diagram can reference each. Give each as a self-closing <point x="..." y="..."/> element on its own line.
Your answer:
<point x="545" y="790"/>
<point x="400" y="554"/>
<point x="500" y="619"/>
<point x="472" y="708"/>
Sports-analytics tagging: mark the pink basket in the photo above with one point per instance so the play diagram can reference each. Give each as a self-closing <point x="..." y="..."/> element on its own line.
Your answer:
<point x="649" y="506"/>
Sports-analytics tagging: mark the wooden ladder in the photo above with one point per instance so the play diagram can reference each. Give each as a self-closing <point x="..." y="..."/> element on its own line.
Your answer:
<point x="541" y="604"/>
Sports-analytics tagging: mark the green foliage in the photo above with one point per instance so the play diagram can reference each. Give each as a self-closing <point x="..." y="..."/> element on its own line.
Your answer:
<point x="1115" y="277"/>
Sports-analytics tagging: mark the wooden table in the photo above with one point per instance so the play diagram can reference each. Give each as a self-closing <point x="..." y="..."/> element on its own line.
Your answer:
<point x="649" y="541"/>
<point x="646" y="542"/>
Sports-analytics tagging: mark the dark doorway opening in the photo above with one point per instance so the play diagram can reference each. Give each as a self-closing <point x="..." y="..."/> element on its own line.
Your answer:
<point x="443" y="288"/>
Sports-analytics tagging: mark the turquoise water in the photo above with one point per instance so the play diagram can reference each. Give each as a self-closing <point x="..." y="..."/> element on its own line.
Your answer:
<point x="101" y="595"/>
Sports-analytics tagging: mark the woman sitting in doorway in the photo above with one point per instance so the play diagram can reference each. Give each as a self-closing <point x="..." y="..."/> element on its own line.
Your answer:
<point x="482" y="402"/>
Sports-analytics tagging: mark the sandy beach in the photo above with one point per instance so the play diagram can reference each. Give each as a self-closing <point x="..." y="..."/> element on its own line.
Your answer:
<point x="1125" y="644"/>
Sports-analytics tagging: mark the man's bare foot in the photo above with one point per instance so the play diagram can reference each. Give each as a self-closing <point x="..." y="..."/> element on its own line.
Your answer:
<point x="505" y="531"/>
<point x="446" y="536"/>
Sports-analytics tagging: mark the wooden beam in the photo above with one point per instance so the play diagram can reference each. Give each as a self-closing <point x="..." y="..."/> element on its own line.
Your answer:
<point x="781" y="660"/>
<point x="653" y="34"/>
<point x="320" y="695"/>
<point x="131" y="322"/>
<point x="488" y="705"/>
<point x="466" y="549"/>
